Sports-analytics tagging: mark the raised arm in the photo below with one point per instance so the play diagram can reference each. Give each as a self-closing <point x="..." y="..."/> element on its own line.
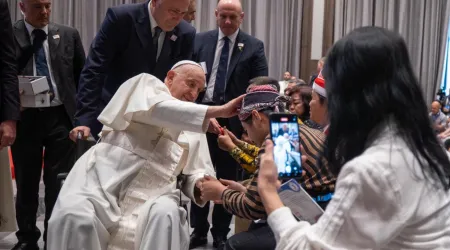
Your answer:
<point x="145" y="99"/>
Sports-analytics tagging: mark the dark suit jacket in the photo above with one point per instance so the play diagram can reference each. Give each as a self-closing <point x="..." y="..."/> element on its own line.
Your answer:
<point x="9" y="86"/>
<point x="244" y="65"/>
<point x="67" y="59"/>
<point x="123" y="49"/>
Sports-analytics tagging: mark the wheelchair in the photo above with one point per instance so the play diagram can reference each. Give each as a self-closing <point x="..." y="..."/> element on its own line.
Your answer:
<point x="82" y="145"/>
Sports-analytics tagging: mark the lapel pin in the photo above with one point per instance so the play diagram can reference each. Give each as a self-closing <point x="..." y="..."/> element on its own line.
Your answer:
<point x="56" y="36"/>
<point x="240" y="46"/>
<point x="173" y="38"/>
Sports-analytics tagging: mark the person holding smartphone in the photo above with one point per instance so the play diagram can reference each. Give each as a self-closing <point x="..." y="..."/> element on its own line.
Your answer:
<point x="259" y="102"/>
<point x="393" y="173"/>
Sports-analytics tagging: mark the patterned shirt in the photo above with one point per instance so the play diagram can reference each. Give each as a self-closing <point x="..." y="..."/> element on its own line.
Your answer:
<point x="245" y="154"/>
<point x="315" y="180"/>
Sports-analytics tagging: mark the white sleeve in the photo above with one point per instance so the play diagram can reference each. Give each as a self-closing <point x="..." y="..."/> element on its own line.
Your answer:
<point x="175" y="114"/>
<point x="363" y="214"/>
<point x="145" y="99"/>
<point x="198" y="164"/>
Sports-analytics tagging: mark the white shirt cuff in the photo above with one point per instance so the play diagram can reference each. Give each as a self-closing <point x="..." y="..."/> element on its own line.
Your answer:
<point x="281" y="220"/>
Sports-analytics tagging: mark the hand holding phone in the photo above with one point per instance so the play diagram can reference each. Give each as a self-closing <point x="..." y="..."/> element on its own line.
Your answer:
<point x="285" y="134"/>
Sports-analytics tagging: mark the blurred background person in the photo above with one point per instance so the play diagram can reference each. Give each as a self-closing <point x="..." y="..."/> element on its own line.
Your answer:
<point x="283" y="83"/>
<point x="438" y="117"/>
<point x="189" y="16"/>
<point x="319" y="68"/>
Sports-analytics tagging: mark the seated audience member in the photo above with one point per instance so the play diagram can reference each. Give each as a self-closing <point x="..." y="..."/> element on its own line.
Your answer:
<point x="127" y="187"/>
<point x="283" y="83"/>
<point x="446" y="104"/>
<point x="393" y="175"/>
<point x="318" y="105"/>
<point x="245" y="152"/>
<point x="260" y="80"/>
<point x="438" y="117"/>
<point x="300" y="97"/>
<point x="244" y="201"/>
<point x="290" y="85"/>
<point x="446" y="133"/>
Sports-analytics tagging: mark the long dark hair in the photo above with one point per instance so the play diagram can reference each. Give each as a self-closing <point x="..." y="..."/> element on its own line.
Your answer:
<point x="369" y="79"/>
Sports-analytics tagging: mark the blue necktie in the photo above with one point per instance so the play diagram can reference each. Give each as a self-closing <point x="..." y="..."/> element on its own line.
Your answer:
<point x="39" y="58"/>
<point x="221" y="77"/>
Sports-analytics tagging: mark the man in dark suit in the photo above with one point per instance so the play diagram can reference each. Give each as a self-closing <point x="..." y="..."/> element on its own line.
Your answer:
<point x="56" y="52"/>
<point x="9" y="86"/>
<point x="231" y="58"/>
<point x="137" y="38"/>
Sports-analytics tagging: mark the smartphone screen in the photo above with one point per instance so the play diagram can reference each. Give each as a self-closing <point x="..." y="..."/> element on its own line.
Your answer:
<point x="285" y="135"/>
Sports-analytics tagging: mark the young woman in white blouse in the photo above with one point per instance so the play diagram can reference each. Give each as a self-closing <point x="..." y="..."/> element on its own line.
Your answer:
<point x="393" y="185"/>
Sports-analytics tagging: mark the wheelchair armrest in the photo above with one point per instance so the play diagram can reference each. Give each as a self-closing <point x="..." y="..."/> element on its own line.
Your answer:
<point x="62" y="176"/>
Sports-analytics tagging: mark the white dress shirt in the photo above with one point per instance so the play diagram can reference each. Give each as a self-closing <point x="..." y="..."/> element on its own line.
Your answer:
<point x="283" y="86"/>
<point x="153" y="25"/>
<point x="212" y="79"/>
<point x="381" y="202"/>
<point x="56" y="100"/>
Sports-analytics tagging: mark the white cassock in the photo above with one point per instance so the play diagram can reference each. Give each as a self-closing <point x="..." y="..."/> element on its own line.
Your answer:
<point x="121" y="194"/>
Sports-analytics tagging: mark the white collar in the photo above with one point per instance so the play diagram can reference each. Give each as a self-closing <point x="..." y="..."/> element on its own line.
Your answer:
<point x="153" y="23"/>
<point x="30" y="28"/>
<point x="232" y="37"/>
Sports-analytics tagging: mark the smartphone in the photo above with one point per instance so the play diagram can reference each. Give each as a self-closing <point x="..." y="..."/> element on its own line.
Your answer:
<point x="285" y="134"/>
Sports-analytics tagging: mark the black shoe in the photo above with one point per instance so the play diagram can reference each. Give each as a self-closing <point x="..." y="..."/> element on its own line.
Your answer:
<point x="197" y="240"/>
<point x="25" y="246"/>
<point x="219" y="243"/>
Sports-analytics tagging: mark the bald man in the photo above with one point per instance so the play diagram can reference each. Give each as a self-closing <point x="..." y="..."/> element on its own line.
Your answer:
<point x="124" y="193"/>
<point x="439" y="119"/>
<point x="190" y="14"/>
<point x="231" y="59"/>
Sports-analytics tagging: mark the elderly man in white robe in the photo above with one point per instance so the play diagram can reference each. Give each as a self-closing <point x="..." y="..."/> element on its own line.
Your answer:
<point x="123" y="193"/>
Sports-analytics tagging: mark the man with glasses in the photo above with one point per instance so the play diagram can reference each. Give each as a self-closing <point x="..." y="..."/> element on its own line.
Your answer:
<point x="148" y="38"/>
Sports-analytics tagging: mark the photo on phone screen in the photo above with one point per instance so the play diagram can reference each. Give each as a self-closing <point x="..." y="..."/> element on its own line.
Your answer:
<point x="285" y="135"/>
